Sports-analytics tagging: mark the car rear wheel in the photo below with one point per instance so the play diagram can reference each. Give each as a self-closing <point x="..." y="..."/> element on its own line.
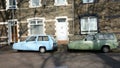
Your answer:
<point x="42" y="50"/>
<point x="105" y="49"/>
<point x="19" y="50"/>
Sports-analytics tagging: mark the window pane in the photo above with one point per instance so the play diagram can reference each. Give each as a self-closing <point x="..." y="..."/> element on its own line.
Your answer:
<point x="31" y="38"/>
<point x="36" y="29"/>
<point x="109" y="36"/>
<point x="88" y="1"/>
<point x="35" y="2"/>
<point x="89" y="37"/>
<point x="33" y="22"/>
<point x="62" y="20"/>
<point x="100" y="36"/>
<point x="84" y="24"/>
<point x="45" y="38"/>
<point x="93" y="23"/>
<point x="12" y="2"/>
<point x="40" y="38"/>
<point x="39" y="21"/>
<point x="60" y="1"/>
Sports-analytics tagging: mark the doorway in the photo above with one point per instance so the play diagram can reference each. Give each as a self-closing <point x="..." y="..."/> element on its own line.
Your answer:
<point x="62" y="30"/>
<point x="12" y="31"/>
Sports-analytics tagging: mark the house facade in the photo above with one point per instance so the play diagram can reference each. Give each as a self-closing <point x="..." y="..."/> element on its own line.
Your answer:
<point x="66" y="20"/>
<point x="96" y="16"/>
<point x="21" y="18"/>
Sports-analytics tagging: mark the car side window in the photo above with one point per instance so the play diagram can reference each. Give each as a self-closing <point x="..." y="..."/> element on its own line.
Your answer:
<point x="101" y="36"/>
<point x="90" y="38"/>
<point x="45" y="38"/>
<point x="31" y="39"/>
<point x="40" y="38"/>
<point x="109" y="36"/>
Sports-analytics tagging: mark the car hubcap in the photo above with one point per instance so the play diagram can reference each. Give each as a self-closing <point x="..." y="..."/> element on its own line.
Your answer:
<point x="105" y="49"/>
<point x="42" y="50"/>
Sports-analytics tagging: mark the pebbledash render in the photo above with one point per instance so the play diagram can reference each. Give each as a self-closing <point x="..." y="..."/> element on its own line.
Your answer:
<point x="66" y="20"/>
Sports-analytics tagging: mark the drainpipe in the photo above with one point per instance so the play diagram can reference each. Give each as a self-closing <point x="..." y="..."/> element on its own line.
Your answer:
<point x="73" y="8"/>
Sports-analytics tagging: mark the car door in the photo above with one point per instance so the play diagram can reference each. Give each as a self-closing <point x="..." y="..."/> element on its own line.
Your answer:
<point x="44" y="41"/>
<point x="87" y="43"/>
<point x="31" y="43"/>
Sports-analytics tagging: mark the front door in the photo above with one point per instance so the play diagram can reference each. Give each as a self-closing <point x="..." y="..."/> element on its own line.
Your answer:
<point x="62" y="30"/>
<point x="12" y="31"/>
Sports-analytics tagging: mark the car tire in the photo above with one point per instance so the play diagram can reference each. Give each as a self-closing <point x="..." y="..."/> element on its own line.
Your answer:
<point x="42" y="50"/>
<point x="19" y="50"/>
<point x="69" y="50"/>
<point x="105" y="49"/>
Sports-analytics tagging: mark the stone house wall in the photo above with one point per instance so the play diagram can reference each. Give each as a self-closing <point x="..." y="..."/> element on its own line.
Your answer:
<point x="107" y="12"/>
<point x="49" y="12"/>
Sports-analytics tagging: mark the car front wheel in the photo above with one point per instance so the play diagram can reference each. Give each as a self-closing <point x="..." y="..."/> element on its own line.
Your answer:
<point x="42" y="50"/>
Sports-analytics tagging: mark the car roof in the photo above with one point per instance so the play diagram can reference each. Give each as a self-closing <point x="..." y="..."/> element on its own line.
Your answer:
<point x="104" y="33"/>
<point x="40" y="35"/>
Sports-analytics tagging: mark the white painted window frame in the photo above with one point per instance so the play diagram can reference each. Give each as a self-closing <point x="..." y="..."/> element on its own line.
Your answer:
<point x="88" y="1"/>
<point x="31" y="4"/>
<point x="86" y="25"/>
<point x="43" y="23"/>
<point x="8" y="5"/>
<point x="57" y="4"/>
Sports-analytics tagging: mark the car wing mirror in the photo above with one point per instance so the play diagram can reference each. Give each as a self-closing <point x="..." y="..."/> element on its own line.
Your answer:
<point x="85" y="39"/>
<point x="26" y="41"/>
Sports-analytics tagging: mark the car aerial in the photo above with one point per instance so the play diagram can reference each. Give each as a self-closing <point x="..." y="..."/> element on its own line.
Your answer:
<point x="40" y="43"/>
<point x="99" y="41"/>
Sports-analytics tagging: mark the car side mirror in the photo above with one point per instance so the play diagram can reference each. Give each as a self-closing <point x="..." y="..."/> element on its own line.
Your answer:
<point x="85" y="39"/>
<point x="26" y="41"/>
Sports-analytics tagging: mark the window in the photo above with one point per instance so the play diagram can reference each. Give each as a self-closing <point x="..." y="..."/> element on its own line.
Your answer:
<point x="115" y="0"/>
<point x="11" y="4"/>
<point x="90" y="37"/>
<point x="106" y="36"/>
<point x="88" y="1"/>
<point x="40" y="38"/>
<point x="88" y="25"/>
<point x="31" y="39"/>
<point x="60" y="2"/>
<point x="35" y="3"/>
<point x="61" y="20"/>
<point x="36" y="26"/>
<point x="12" y="22"/>
<point x="109" y="36"/>
<point x="101" y="36"/>
<point x="43" y="38"/>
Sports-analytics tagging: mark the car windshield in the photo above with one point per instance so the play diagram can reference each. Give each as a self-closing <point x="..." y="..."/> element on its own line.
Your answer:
<point x="53" y="39"/>
<point x="32" y="38"/>
<point x="89" y="37"/>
